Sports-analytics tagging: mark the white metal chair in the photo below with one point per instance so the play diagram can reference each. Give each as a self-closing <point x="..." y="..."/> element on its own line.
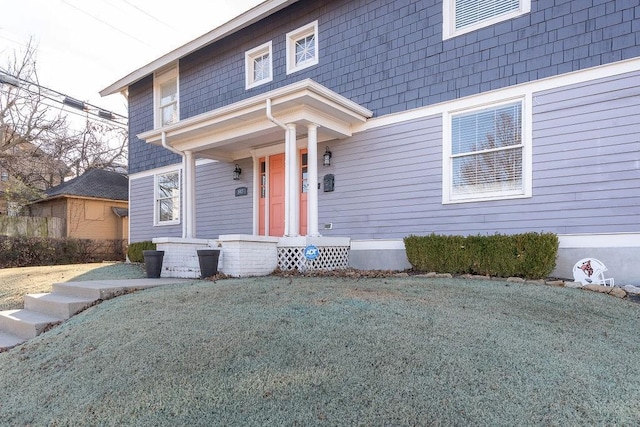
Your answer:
<point x="590" y="271"/>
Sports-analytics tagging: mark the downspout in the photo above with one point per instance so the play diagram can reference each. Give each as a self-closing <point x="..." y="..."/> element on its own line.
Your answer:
<point x="184" y="168"/>
<point x="270" y="116"/>
<point x="287" y="159"/>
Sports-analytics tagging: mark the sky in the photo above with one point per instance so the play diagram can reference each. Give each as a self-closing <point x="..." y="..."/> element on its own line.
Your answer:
<point x="84" y="46"/>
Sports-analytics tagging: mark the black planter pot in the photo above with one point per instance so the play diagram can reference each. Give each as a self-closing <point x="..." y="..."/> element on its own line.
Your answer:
<point x="153" y="263"/>
<point x="208" y="259"/>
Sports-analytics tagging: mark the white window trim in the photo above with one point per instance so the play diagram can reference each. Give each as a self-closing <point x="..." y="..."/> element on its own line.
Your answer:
<point x="249" y="62"/>
<point x="156" y="212"/>
<point x="292" y="37"/>
<point x="449" y="19"/>
<point x="527" y="158"/>
<point x="159" y="78"/>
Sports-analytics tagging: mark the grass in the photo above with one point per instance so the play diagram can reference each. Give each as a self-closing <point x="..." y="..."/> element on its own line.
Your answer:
<point x="333" y="351"/>
<point x="17" y="282"/>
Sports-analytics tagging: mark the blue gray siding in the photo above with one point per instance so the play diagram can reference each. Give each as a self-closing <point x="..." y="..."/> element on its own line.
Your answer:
<point x="143" y="156"/>
<point x="141" y="201"/>
<point x="586" y="140"/>
<point x="218" y="210"/>
<point x="389" y="56"/>
<point x="388" y="180"/>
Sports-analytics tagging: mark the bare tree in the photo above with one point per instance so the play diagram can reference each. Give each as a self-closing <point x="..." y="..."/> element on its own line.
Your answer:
<point x="24" y="117"/>
<point x="39" y="145"/>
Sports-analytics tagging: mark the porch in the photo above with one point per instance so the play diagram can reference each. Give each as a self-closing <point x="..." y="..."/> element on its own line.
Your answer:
<point x="243" y="255"/>
<point x="280" y="132"/>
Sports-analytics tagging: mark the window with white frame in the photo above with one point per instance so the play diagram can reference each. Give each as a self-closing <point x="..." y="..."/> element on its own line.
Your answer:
<point x="258" y="66"/>
<point x="166" y="97"/>
<point x="167" y="198"/>
<point x="4" y="176"/>
<point x="463" y="16"/>
<point x="486" y="154"/>
<point x="302" y="47"/>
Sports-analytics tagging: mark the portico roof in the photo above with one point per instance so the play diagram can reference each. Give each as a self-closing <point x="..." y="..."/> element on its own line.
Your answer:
<point x="231" y="132"/>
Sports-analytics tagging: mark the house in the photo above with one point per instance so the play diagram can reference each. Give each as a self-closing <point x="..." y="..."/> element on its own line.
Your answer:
<point x="433" y="116"/>
<point x="93" y="205"/>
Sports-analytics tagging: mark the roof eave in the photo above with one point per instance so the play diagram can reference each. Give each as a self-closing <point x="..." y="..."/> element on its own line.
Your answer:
<point x="251" y="16"/>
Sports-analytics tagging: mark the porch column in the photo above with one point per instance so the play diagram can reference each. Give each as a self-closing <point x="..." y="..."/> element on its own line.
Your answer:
<point x="312" y="171"/>
<point x="287" y="174"/>
<point x="189" y="228"/>
<point x="292" y="182"/>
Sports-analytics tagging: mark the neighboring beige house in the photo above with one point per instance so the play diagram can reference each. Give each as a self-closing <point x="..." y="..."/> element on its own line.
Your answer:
<point x="94" y="205"/>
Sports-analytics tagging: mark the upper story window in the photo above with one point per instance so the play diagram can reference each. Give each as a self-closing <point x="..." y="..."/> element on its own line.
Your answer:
<point x="463" y="16"/>
<point x="258" y="66"/>
<point x="302" y="47"/>
<point x="167" y="198"/>
<point x="166" y="97"/>
<point x="487" y="154"/>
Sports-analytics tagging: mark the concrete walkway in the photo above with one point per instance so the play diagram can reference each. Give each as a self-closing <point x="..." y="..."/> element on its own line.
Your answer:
<point x="43" y="311"/>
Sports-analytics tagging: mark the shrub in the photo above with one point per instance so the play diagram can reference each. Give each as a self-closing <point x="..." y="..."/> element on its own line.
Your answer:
<point x="134" y="252"/>
<point x="34" y="251"/>
<point x="529" y="255"/>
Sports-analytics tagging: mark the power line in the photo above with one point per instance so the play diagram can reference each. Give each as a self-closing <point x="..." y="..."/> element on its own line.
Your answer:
<point x="106" y="23"/>
<point x="149" y="15"/>
<point x="89" y="109"/>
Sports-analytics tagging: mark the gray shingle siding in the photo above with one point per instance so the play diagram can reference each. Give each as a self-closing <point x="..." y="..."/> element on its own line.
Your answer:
<point x="389" y="56"/>
<point x="143" y="156"/>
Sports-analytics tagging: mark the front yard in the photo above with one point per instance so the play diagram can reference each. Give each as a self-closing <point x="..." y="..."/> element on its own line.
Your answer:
<point x="334" y="351"/>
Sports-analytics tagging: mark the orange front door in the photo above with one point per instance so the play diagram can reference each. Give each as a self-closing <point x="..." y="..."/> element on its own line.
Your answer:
<point x="274" y="180"/>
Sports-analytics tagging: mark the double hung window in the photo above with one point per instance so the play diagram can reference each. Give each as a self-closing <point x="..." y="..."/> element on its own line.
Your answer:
<point x="166" y="97"/>
<point x="486" y="154"/>
<point x="167" y="198"/>
<point x="463" y="16"/>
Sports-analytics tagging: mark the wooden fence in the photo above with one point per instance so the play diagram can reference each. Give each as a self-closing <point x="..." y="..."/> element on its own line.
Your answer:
<point x="27" y="226"/>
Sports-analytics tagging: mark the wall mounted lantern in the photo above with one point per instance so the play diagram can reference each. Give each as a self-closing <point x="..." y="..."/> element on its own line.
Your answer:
<point x="326" y="158"/>
<point x="236" y="173"/>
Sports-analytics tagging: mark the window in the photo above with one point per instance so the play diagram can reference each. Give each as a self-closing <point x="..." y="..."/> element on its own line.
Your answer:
<point x="4" y="176"/>
<point x="302" y="47"/>
<point x="257" y="65"/>
<point x="463" y="16"/>
<point x="486" y="154"/>
<point x="167" y="198"/>
<point x="166" y="97"/>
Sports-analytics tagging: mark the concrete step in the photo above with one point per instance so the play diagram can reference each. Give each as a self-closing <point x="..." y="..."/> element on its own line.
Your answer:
<point x="8" y="341"/>
<point x="56" y="305"/>
<point x="97" y="289"/>
<point x="26" y="323"/>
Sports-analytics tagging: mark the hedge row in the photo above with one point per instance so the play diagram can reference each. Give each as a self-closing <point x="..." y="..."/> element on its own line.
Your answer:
<point x="134" y="252"/>
<point x="35" y="251"/>
<point x="528" y="255"/>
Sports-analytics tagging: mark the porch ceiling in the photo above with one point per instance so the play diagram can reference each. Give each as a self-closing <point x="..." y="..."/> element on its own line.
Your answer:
<point x="231" y="132"/>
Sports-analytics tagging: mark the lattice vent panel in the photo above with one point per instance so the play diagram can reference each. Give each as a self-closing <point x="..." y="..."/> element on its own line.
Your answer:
<point x="329" y="258"/>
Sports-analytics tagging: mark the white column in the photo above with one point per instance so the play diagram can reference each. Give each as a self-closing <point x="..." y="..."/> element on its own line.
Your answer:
<point x="293" y="183"/>
<point x="189" y="230"/>
<point x="256" y="193"/>
<point x="312" y="175"/>
<point x="287" y="173"/>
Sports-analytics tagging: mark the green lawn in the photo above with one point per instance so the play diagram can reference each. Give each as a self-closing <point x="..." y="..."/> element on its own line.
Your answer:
<point x="334" y="351"/>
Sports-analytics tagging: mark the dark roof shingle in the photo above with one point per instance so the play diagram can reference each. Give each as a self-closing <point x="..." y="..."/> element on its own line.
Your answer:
<point x="97" y="183"/>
